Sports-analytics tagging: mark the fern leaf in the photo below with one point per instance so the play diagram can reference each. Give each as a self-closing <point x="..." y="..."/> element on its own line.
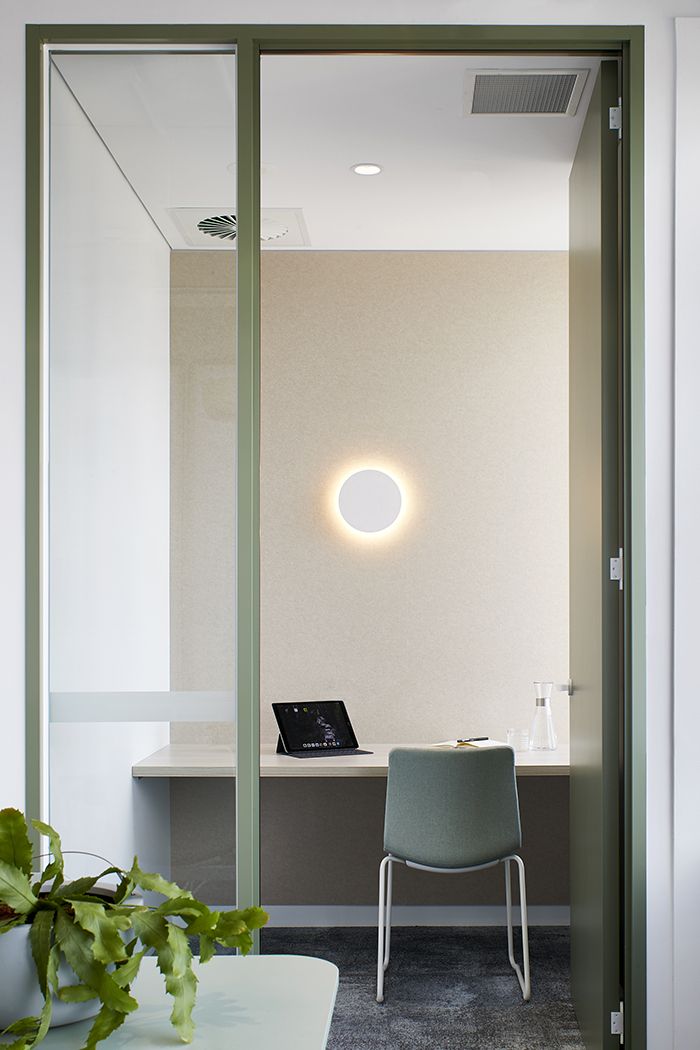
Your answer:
<point x="106" y="1022"/>
<point x="76" y="945"/>
<point x="181" y="984"/>
<point x="106" y="929"/>
<point x="154" y="882"/>
<point x="174" y="958"/>
<point x="40" y="941"/>
<point x="15" y="889"/>
<point x="15" y="847"/>
<point x="53" y="870"/>
<point x="76" y="993"/>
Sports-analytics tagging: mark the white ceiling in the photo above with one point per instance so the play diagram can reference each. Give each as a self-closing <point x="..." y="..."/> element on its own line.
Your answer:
<point x="449" y="181"/>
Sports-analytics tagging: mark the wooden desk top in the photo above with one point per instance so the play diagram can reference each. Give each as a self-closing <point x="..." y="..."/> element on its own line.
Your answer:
<point x="212" y="760"/>
<point x="262" y="1001"/>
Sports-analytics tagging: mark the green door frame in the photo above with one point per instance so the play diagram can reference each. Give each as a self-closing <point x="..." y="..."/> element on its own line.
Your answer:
<point x="250" y="41"/>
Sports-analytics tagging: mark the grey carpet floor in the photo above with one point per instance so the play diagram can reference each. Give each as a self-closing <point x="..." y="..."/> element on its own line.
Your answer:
<point x="447" y="989"/>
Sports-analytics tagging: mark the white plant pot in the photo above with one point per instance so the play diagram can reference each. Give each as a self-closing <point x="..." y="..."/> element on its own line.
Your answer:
<point x="20" y="995"/>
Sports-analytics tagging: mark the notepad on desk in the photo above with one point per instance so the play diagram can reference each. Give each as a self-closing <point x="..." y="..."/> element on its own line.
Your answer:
<point x="472" y="741"/>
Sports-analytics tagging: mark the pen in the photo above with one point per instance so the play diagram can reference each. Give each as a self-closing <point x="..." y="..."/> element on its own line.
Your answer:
<point x="471" y="739"/>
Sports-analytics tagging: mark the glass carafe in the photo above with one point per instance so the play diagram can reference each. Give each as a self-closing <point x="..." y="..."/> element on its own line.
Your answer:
<point x="542" y="735"/>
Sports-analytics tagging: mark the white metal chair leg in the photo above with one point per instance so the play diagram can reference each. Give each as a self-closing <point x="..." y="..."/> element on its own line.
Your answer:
<point x="524" y="926"/>
<point x="389" y="893"/>
<point x="524" y="974"/>
<point x="381" y="926"/>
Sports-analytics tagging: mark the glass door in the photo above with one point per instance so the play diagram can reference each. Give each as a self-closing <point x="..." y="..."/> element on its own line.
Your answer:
<point x="413" y="311"/>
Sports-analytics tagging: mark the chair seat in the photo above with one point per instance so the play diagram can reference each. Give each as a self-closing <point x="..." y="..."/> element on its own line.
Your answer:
<point x="450" y="871"/>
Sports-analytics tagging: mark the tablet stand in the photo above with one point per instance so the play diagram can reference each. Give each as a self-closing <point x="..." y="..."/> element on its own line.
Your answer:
<point x="320" y="753"/>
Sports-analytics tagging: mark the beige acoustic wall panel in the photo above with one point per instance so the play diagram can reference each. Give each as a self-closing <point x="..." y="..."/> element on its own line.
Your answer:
<point x="449" y="368"/>
<point x="202" y="480"/>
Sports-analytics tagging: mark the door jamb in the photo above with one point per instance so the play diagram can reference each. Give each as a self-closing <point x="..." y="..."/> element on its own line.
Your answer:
<point x="250" y="41"/>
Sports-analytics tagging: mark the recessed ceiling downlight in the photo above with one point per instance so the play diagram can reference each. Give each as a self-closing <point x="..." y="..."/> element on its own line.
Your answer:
<point x="367" y="169"/>
<point x="225" y="227"/>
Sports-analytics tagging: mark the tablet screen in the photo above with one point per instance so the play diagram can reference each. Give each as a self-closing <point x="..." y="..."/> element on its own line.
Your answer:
<point x="314" y="725"/>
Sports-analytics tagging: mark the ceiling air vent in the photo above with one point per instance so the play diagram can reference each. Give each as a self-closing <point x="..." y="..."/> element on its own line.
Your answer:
<point x="542" y="92"/>
<point x="224" y="227"/>
<point x="218" y="227"/>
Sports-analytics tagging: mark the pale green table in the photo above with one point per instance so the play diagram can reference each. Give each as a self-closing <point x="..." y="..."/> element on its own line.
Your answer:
<point x="262" y="1002"/>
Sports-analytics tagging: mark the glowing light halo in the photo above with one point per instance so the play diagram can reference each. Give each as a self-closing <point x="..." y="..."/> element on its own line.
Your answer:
<point x="377" y="480"/>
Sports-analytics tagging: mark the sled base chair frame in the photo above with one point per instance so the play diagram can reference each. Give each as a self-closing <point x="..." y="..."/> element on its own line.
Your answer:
<point x="384" y="919"/>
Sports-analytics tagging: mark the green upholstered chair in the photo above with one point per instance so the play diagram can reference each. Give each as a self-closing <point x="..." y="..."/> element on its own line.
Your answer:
<point x="449" y="811"/>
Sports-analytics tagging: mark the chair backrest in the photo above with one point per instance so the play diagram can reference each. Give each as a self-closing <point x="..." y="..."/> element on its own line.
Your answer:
<point x="452" y="808"/>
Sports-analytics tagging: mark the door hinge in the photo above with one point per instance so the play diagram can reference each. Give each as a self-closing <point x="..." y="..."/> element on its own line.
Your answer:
<point x="617" y="568"/>
<point x="615" y="115"/>
<point x="617" y="1023"/>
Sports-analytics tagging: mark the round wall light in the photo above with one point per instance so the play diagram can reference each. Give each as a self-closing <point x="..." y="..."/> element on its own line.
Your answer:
<point x="370" y="501"/>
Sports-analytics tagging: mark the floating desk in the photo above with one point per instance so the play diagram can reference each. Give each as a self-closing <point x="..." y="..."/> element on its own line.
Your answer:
<point x="296" y="796"/>
<point x="212" y="760"/>
<point x="263" y="1001"/>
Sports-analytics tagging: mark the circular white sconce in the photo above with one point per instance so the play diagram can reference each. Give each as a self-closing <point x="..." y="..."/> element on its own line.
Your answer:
<point x="370" y="501"/>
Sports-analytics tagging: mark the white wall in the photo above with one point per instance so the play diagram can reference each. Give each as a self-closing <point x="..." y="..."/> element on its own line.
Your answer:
<point x="687" y="531"/>
<point x="109" y="421"/>
<point x="109" y="494"/>
<point x="658" y="16"/>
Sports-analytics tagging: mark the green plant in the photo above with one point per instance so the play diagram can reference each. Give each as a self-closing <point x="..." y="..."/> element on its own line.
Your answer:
<point x="104" y="940"/>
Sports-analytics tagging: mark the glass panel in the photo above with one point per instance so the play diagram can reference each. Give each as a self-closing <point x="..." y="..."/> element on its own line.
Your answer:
<point x="414" y="452"/>
<point x="142" y="436"/>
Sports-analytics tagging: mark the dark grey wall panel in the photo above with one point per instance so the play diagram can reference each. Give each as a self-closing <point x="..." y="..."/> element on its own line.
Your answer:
<point x="321" y="843"/>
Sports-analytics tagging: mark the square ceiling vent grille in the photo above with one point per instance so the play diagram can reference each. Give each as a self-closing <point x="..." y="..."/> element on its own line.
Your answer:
<point x="217" y="228"/>
<point x="541" y="92"/>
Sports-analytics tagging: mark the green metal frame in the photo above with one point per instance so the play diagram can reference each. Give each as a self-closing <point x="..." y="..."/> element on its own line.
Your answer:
<point x="635" y="743"/>
<point x="33" y="428"/>
<point x="248" y="486"/>
<point x="251" y="41"/>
